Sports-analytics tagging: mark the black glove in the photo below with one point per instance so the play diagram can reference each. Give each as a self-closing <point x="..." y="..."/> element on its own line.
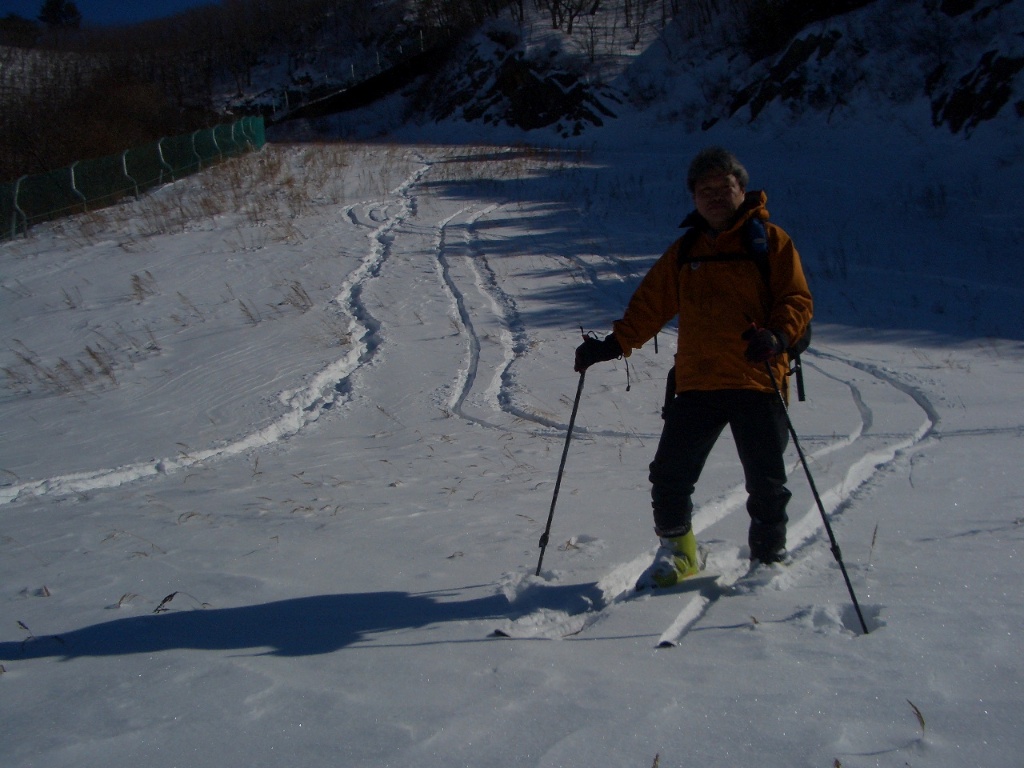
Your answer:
<point x="593" y="350"/>
<point x="763" y="345"/>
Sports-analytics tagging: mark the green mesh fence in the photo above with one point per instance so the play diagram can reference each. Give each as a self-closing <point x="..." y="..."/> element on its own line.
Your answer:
<point x="90" y="184"/>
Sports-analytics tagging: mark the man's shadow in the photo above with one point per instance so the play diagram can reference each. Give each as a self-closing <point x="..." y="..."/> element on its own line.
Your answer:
<point x="302" y="626"/>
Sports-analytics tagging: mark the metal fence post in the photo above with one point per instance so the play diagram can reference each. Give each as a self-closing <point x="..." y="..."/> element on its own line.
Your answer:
<point x="17" y="209"/>
<point x="74" y="187"/>
<point x="216" y="146"/>
<point x="199" y="158"/>
<point x="124" y="170"/>
<point x="163" y="161"/>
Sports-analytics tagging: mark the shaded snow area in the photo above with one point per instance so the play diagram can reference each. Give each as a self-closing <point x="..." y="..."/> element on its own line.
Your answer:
<point x="280" y="439"/>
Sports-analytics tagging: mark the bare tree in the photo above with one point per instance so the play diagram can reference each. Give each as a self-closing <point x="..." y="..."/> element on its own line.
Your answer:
<point x="564" y="13"/>
<point x="637" y="13"/>
<point x="60" y="14"/>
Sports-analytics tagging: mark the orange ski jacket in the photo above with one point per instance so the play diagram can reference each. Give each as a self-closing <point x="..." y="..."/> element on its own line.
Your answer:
<point x="717" y="301"/>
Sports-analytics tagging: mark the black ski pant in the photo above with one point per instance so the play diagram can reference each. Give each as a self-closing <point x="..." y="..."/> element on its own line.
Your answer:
<point x="694" y="421"/>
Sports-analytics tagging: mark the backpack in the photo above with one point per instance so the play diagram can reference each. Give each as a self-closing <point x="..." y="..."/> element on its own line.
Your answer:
<point x="755" y="239"/>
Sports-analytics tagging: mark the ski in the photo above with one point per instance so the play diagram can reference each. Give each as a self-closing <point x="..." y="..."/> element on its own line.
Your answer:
<point x="545" y="624"/>
<point x="750" y="575"/>
<point x="723" y="574"/>
<point x="567" y="612"/>
<point x="699" y="605"/>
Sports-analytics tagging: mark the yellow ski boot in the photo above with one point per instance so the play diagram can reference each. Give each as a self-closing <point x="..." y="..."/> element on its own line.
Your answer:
<point x="677" y="559"/>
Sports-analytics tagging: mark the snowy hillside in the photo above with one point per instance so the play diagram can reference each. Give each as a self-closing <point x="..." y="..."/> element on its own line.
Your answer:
<point x="279" y="442"/>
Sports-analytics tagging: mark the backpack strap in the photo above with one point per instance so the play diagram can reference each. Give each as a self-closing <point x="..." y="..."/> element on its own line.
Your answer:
<point x="755" y="240"/>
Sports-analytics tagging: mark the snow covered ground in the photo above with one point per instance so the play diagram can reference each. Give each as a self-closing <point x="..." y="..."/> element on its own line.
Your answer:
<point x="279" y="442"/>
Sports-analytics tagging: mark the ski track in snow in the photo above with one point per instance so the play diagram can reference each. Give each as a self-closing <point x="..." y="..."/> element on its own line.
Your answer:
<point x="476" y="300"/>
<point x="497" y="310"/>
<point x="333" y="384"/>
<point x="304" y="405"/>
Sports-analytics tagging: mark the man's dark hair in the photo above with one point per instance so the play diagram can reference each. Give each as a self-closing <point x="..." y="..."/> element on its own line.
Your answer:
<point x="716" y="160"/>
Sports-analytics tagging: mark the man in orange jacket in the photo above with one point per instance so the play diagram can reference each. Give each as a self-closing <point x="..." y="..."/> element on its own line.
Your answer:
<point x="736" y="319"/>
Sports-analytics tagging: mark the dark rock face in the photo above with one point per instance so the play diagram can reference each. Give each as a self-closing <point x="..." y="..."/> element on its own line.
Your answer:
<point x="502" y="86"/>
<point x="787" y="78"/>
<point x="527" y="98"/>
<point x="821" y="70"/>
<point x="979" y="94"/>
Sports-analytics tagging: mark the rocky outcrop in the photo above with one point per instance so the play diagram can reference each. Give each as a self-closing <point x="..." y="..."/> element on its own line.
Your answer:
<point x="787" y="78"/>
<point x="980" y="94"/>
<point x="927" y="51"/>
<point x="499" y="84"/>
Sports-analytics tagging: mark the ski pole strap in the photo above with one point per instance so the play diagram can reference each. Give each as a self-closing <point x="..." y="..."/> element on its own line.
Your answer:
<point x="797" y="369"/>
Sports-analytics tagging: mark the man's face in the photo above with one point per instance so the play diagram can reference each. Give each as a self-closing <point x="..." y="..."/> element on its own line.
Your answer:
<point x="718" y="196"/>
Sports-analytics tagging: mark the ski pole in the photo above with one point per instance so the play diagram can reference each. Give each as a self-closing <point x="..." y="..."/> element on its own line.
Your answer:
<point x="817" y="499"/>
<point x="561" y="467"/>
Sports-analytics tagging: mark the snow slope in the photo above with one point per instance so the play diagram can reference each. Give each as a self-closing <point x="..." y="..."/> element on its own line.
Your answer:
<point x="280" y="441"/>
